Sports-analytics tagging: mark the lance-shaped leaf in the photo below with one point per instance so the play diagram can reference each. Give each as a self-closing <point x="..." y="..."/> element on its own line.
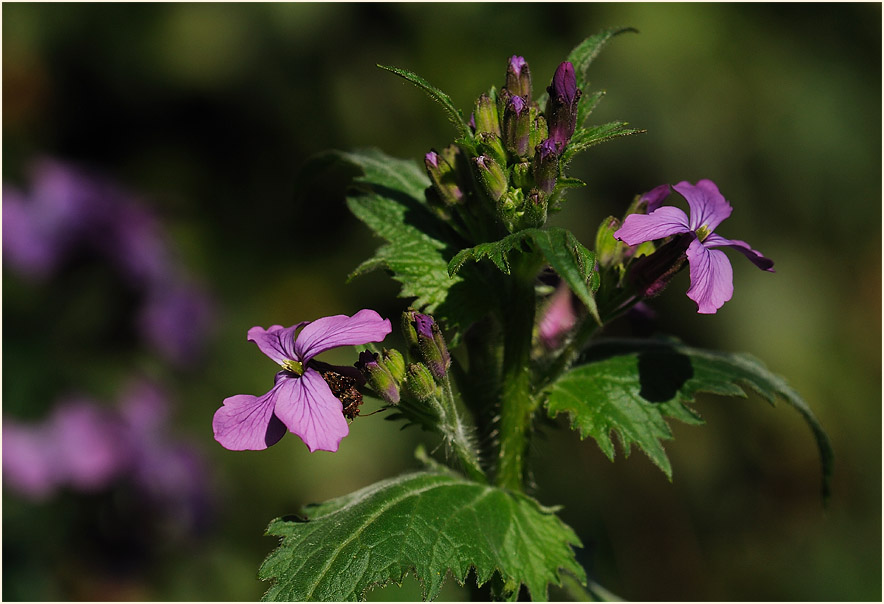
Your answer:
<point x="630" y="387"/>
<point x="585" y="138"/>
<point x="454" y="115"/>
<point x="561" y="249"/>
<point x="428" y="523"/>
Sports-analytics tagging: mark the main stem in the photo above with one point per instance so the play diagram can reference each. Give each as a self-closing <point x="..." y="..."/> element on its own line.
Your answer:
<point x="517" y="398"/>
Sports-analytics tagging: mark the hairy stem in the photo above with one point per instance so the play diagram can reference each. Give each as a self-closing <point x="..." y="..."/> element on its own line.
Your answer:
<point x="517" y="395"/>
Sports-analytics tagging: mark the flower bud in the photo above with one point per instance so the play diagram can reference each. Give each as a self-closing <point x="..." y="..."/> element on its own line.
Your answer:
<point x="492" y="176"/>
<point x="608" y="250"/>
<point x="409" y="332"/>
<point x="431" y="344"/>
<point x="377" y="376"/>
<point x="561" y="107"/>
<point x="442" y="172"/>
<point x="522" y="176"/>
<point x="539" y="131"/>
<point x="394" y="363"/>
<point x="535" y="210"/>
<point x="419" y="383"/>
<point x="517" y="126"/>
<point x="485" y="116"/>
<point x="546" y="166"/>
<point x="490" y="144"/>
<point x="518" y="77"/>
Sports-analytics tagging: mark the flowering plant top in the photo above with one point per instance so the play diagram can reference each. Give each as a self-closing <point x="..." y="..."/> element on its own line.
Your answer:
<point x="505" y="325"/>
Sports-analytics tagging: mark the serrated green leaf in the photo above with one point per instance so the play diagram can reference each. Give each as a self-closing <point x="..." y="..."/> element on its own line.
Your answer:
<point x="389" y="199"/>
<point x="427" y="523"/>
<point x="584" y="138"/>
<point x="414" y="257"/>
<point x="453" y="113"/>
<point x="630" y="387"/>
<point x="381" y="170"/>
<point x="564" y="253"/>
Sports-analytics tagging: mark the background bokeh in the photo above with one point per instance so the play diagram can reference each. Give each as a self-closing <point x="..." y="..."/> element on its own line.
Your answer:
<point x="205" y="112"/>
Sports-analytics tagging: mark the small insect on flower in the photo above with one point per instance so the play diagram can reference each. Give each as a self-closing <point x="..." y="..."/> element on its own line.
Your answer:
<point x="344" y="389"/>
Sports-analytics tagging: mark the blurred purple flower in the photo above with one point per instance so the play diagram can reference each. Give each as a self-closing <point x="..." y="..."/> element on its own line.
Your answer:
<point x="557" y="317"/>
<point x="300" y="399"/>
<point x="68" y="209"/>
<point x="87" y="447"/>
<point x="711" y="273"/>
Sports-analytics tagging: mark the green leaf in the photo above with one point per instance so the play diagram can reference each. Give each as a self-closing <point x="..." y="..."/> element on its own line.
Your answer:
<point x="427" y="523"/>
<point x="567" y="256"/>
<point x="454" y="114"/>
<point x="381" y="170"/>
<point x="584" y="138"/>
<point x="389" y="199"/>
<point x="630" y="387"/>
<point x="584" y="53"/>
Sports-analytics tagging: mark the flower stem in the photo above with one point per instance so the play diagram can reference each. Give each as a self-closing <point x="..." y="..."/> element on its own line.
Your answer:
<point x="517" y="399"/>
<point x="460" y="435"/>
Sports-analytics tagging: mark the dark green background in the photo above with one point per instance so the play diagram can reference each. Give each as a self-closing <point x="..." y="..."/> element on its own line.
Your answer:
<point x="208" y="110"/>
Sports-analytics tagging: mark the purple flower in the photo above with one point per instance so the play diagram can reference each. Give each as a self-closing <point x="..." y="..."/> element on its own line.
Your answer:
<point x="557" y="318"/>
<point x="711" y="273"/>
<point x="300" y="399"/>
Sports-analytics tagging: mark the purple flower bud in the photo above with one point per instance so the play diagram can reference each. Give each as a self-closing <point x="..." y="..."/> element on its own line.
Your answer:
<point x="377" y="376"/>
<point x="651" y="274"/>
<point x="431" y="344"/>
<point x="442" y="172"/>
<point x="561" y="108"/>
<point x="518" y="77"/>
<point x="517" y="126"/>
<point x="546" y="166"/>
<point x="492" y="176"/>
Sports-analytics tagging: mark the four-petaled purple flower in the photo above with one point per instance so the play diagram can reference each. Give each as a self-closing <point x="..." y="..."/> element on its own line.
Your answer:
<point x="300" y="399"/>
<point x="710" y="270"/>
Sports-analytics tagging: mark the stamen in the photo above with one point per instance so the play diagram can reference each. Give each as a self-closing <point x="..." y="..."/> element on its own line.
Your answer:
<point x="295" y="367"/>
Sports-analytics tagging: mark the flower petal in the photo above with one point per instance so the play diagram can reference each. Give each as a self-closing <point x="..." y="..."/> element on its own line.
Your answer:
<point x="309" y="409"/>
<point x="655" y="197"/>
<point x="756" y="257"/>
<point x="340" y="330"/>
<point x="712" y="278"/>
<point x="277" y="342"/>
<point x="662" y="222"/>
<point x="708" y="207"/>
<point x="247" y="423"/>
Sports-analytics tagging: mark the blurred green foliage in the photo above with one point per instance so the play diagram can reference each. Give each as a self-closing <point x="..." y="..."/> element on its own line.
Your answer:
<point x="208" y="110"/>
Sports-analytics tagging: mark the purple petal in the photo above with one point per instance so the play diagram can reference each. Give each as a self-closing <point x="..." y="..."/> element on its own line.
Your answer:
<point x="247" y="423"/>
<point x="712" y="278"/>
<point x="557" y="318"/>
<point x="90" y="447"/>
<point x="662" y="222"/>
<point x="708" y="207"/>
<point x="340" y="330"/>
<point x="756" y="257"/>
<point x="277" y="342"/>
<point x="28" y="464"/>
<point x="309" y="409"/>
<point x="655" y="197"/>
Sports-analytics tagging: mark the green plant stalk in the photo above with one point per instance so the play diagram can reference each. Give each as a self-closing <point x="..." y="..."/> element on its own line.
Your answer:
<point x="518" y="402"/>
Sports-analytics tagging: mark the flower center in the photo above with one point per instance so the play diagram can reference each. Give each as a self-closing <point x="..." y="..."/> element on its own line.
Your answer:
<point x="295" y="367"/>
<point x="702" y="233"/>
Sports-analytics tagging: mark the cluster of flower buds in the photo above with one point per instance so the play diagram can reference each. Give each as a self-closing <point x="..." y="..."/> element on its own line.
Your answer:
<point x="417" y="381"/>
<point x="514" y="156"/>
